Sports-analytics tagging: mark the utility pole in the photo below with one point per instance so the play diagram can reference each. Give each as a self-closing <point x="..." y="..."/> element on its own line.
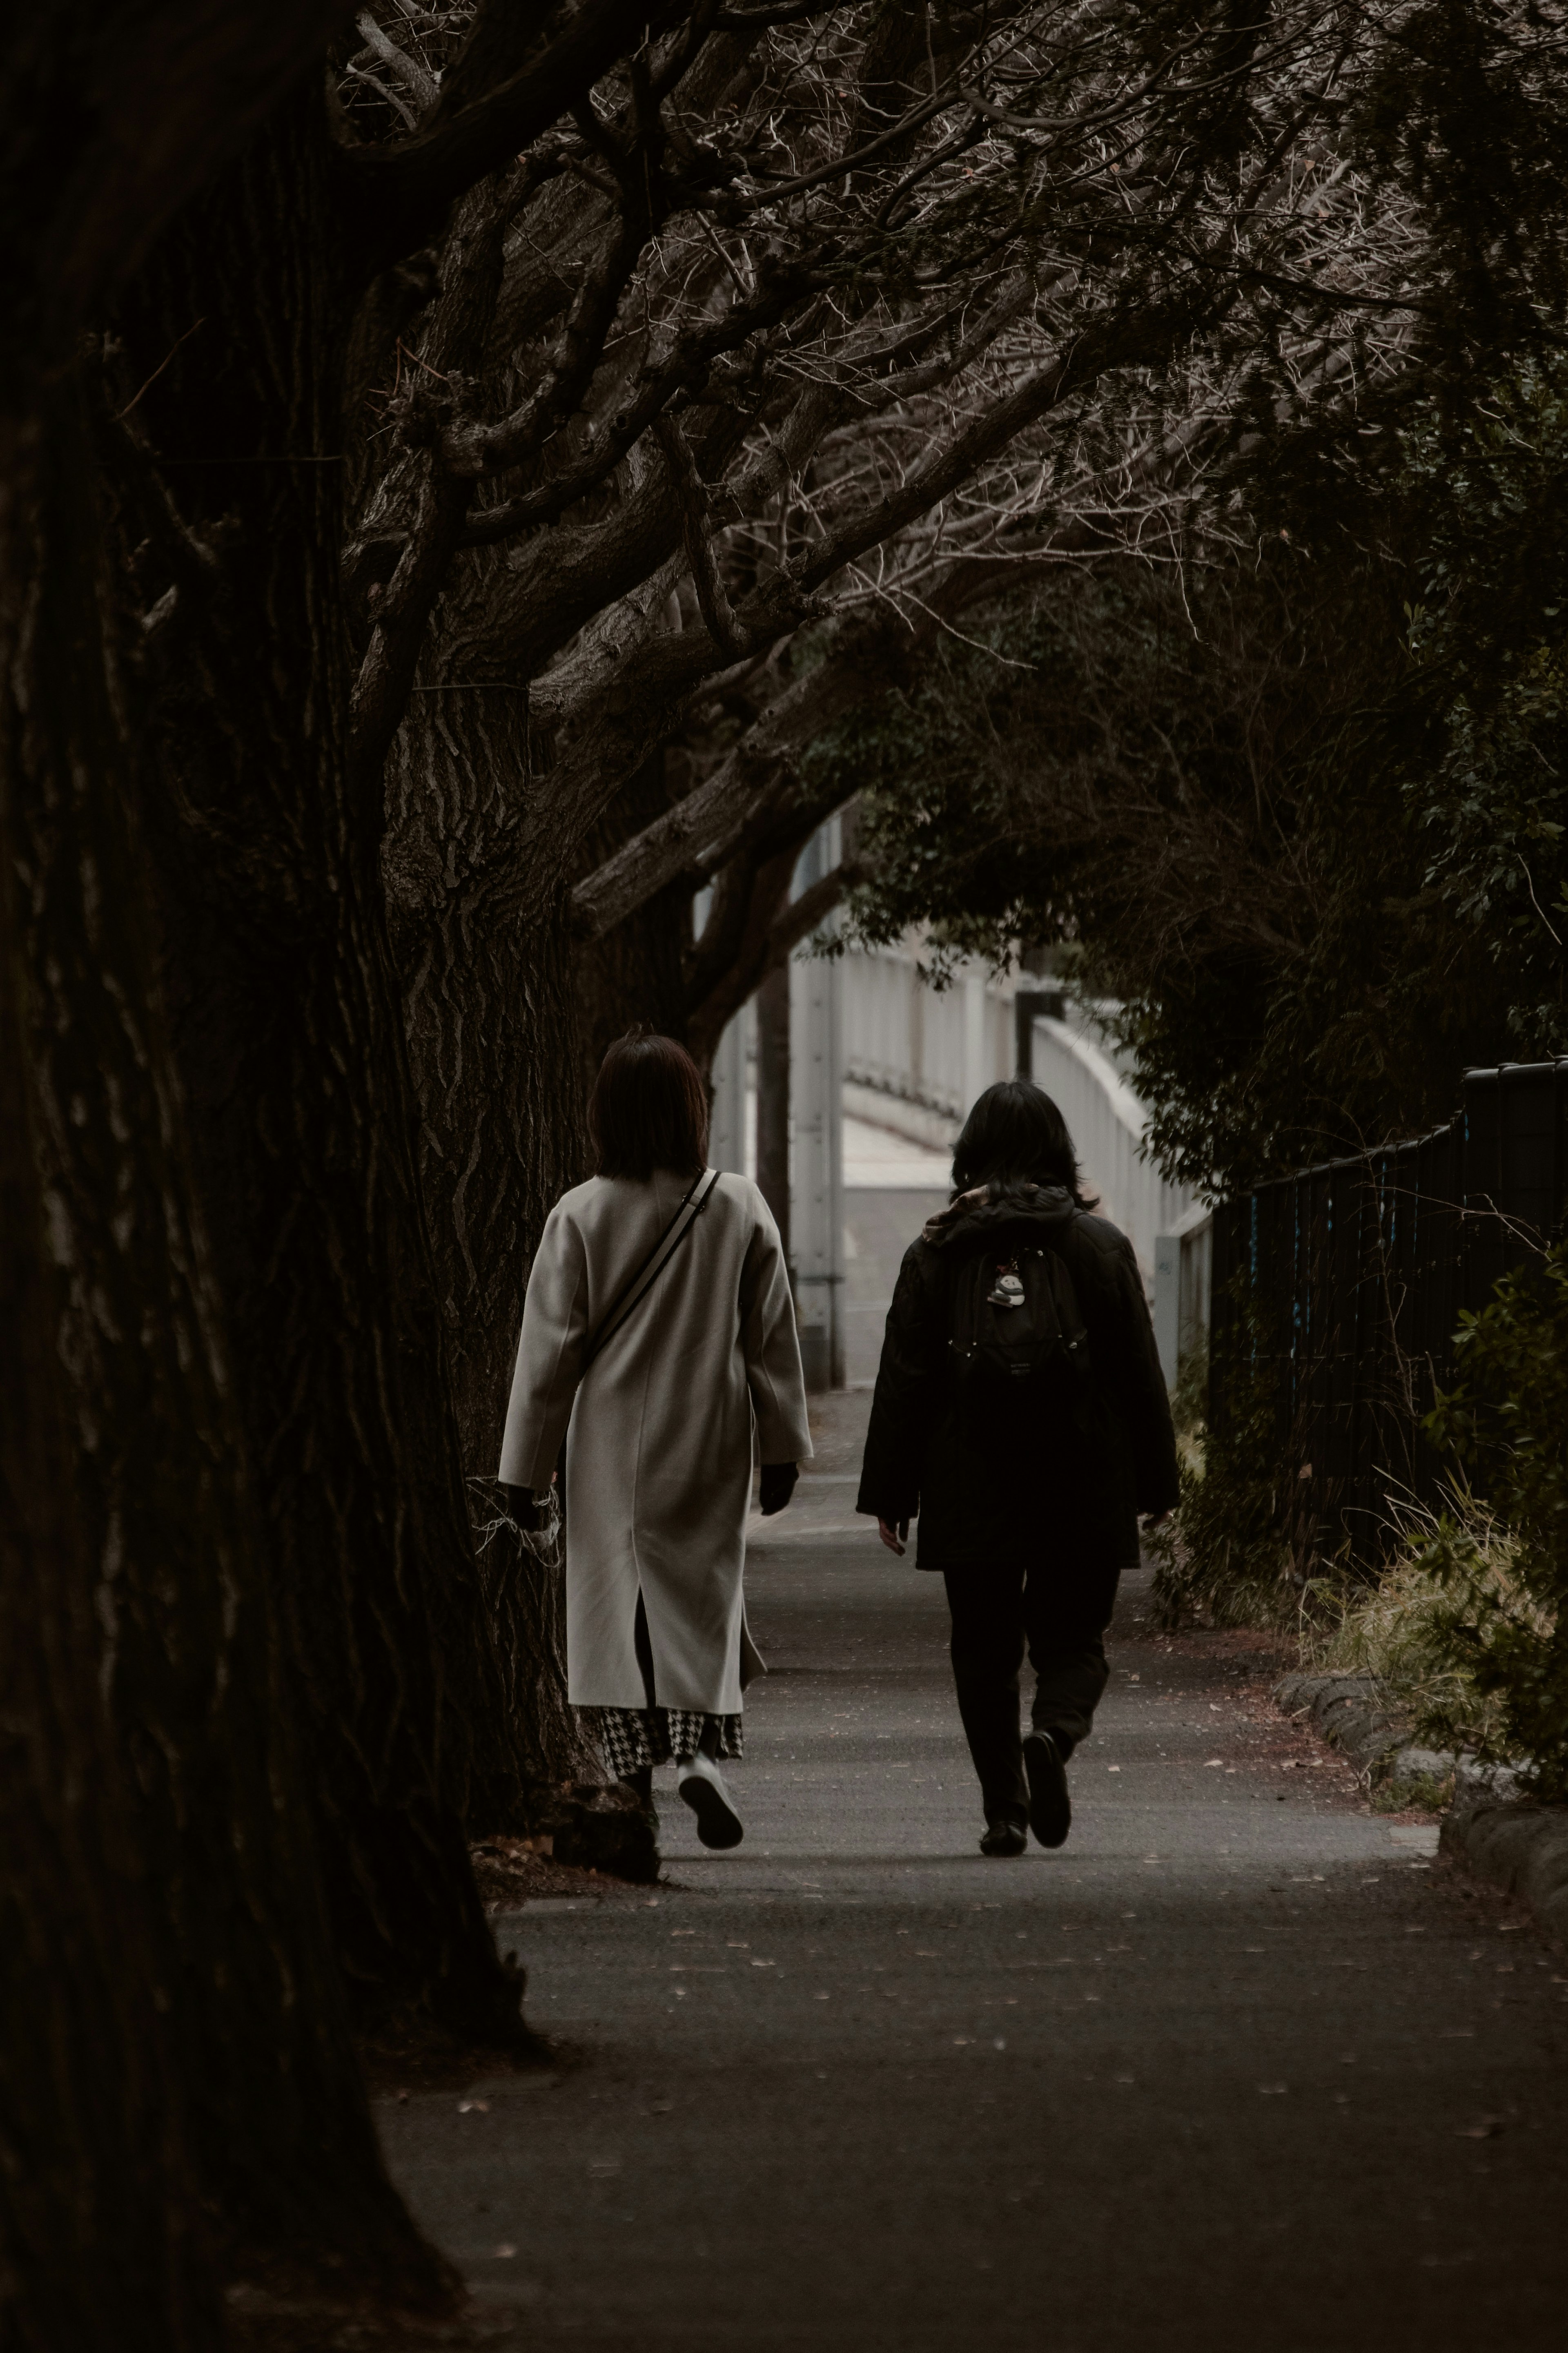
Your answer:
<point x="727" y="1127"/>
<point x="817" y="1074"/>
<point x="773" y="1097"/>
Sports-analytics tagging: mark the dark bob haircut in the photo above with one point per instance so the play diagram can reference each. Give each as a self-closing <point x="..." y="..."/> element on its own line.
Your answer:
<point x="648" y="1109"/>
<point x="1015" y="1135"/>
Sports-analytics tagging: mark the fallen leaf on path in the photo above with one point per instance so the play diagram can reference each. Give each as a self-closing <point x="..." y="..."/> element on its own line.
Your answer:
<point x="480" y="2107"/>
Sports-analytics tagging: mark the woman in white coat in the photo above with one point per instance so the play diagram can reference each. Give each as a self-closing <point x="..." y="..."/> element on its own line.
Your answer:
<point x="658" y="1338"/>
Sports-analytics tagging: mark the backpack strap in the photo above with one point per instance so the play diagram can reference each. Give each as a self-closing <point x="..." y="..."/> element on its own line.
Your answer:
<point x="625" y="1306"/>
<point x="1071" y="1328"/>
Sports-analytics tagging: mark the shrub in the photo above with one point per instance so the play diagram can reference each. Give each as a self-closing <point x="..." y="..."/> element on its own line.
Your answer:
<point x="1505" y="1619"/>
<point x="1449" y="1569"/>
<point x="1224" y="1557"/>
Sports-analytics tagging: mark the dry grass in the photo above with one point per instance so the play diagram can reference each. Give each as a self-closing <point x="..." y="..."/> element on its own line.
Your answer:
<point x="1448" y="1567"/>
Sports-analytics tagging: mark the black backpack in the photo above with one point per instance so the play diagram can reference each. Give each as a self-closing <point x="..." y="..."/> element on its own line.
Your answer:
<point x="1016" y="1322"/>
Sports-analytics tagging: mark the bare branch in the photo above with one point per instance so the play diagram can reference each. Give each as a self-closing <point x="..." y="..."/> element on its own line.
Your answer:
<point x="805" y="914"/>
<point x="426" y="89"/>
<point x="694" y="520"/>
<point x="684" y="368"/>
<point x="396" y="196"/>
<point x="701" y="831"/>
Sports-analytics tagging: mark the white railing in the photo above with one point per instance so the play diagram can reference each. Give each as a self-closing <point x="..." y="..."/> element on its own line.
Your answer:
<point x="1108" y="1124"/>
<point x="925" y="1054"/>
<point x="936" y="1048"/>
<point x="1184" y="1265"/>
<point x="914" y="1059"/>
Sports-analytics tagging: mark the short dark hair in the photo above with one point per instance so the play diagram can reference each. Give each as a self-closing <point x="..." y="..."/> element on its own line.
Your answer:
<point x="648" y="1109"/>
<point x="1015" y="1134"/>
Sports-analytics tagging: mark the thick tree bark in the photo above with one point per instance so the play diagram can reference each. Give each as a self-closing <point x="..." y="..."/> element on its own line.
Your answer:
<point x="481" y="941"/>
<point x="637" y="971"/>
<point x="102" y="2239"/>
<point x="288" y="1035"/>
<point x="508" y="1018"/>
<point x="111" y="111"/>
<point x="177" y="2082"/>
<point x="255" y="2018"/>
<point x="491" y="1023"/>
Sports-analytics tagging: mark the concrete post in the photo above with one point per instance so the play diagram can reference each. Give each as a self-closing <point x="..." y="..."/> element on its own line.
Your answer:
<point x="772" y="1099"/>
<point x="816" y="1072"/>
<point x="1168" y="1304"/>
<point x="977" y="1071"/>
<point x="727" y="1127"/>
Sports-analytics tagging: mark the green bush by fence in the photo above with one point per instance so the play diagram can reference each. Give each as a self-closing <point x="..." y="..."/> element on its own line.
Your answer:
<point x="1505" y="1425"/>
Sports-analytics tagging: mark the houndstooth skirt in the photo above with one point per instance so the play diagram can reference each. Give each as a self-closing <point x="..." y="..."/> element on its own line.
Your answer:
<point x="631" y="1737"/>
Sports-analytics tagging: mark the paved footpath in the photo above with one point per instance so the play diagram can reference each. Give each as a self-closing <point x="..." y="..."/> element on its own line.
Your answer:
<point x="1239" y="2067"/>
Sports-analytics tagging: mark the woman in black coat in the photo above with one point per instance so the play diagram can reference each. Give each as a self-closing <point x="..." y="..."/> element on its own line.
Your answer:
<point x="1021" y="1414"/>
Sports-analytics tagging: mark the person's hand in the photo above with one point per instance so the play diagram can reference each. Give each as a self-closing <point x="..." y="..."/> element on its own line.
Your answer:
<point x="778" y="1486"/>
<point x="1153" y="1520"/>
<point x="522" y="1509"/>
<point x="894" y="1537"/>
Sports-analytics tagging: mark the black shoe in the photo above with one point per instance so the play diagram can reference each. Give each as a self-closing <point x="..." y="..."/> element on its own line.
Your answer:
<point x="1050" y="1808"/>
<point x="1004" y="1836"/>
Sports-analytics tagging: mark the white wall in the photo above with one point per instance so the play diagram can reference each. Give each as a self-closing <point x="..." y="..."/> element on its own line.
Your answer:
<point x="937" y="1050"/>
<point x="1106" y="1124"/>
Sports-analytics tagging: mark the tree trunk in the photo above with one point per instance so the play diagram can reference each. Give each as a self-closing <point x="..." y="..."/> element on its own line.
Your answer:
<point x="102" y="2239"/>
<point x="287" y="1036"/>
<point x="491" y="1020"/>
<point x="249" y="1975"/>
<point x="479" y="933"/>
<point x="773" y="1098"/>
<point x="636" y="972"/>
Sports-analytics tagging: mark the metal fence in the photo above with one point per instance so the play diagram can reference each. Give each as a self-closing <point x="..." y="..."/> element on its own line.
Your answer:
<point x="1342" y="1287"/>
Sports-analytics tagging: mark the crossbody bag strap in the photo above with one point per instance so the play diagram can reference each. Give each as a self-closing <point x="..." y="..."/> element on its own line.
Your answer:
<point x="626" y="1304"/>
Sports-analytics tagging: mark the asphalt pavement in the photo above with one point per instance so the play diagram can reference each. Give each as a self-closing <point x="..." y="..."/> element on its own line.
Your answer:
<point x="1242" y="2066"/>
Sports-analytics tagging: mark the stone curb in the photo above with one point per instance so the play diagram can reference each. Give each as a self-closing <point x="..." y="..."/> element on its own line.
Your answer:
<point x="1347" y="1711"/>
<point x="1519" y="1846"/>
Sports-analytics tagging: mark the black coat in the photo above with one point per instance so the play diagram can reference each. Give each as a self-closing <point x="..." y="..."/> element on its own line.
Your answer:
<point x="1056" y="1476"/>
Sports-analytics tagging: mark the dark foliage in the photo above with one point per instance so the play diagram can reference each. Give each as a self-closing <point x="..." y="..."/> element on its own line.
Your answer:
<point x="1507" y="1424"/>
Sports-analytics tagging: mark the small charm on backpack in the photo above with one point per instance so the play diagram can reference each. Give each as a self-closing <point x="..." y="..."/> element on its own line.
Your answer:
<point x="1008" y="1290"/>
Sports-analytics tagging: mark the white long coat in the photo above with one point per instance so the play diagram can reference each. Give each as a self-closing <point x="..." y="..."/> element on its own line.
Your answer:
<point x="658" y="1451"/>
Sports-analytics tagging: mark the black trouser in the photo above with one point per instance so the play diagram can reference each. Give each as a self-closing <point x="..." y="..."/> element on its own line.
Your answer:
<point x="1062" y="1616"/>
